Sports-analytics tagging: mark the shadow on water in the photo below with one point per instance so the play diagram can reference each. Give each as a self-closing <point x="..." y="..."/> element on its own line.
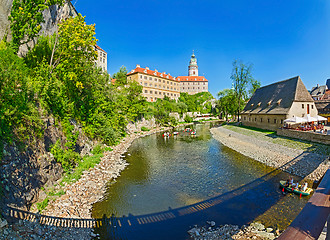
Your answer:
<point x="243" y="205"/>
<point x="238" y="206"/>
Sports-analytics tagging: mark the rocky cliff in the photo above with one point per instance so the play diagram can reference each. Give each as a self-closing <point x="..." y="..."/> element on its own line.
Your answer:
<point x="51" y="16"/>
<point x="23" y="172"/>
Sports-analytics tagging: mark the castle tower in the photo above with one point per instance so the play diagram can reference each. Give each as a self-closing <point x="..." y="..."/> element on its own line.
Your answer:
<point x="193" y="68"/>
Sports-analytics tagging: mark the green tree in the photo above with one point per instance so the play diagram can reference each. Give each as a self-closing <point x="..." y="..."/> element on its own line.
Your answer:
<point x="241" y="78"/>
<point x="25" y="19"/>
<point x="120" y="76"/>
<point x="226" y="103"/>
<point x="255" y="84"/>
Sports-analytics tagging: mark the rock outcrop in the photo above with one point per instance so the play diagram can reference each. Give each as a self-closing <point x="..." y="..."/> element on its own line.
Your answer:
<point x="52" y="16"/>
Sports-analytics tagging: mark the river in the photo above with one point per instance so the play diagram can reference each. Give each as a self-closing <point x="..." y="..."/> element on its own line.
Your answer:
<point x="174" y="183"/>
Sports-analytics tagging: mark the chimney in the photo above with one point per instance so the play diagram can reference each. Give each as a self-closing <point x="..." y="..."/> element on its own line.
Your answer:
<point x="147" y="68"/>
<point x="317" y="85"/>
<point x="156" y="70"/>
<point x="137" y="65"/>
<point x="164" y="73"/>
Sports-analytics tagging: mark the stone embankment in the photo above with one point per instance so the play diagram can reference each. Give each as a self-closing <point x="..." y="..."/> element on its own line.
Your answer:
<point x="301" y="163"/>
<point x="79" y="198"/>
<point x="91" y="187"/>
<point x="255" y="231"/>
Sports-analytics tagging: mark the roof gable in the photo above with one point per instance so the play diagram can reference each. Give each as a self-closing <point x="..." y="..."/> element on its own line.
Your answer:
<point x="277" y="98"/>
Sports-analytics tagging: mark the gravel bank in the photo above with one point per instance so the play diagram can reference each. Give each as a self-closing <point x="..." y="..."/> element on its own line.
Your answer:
<point x="299" y="162"/>
<point x="256" y="231"/>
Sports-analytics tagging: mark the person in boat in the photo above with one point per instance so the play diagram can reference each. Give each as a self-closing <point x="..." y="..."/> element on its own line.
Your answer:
<point x="295" y="185"/>
<point x="289" y="182"/>
<point x="304" y="187"/>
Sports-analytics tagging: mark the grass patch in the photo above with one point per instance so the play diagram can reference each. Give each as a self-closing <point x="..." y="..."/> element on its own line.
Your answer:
<point x="58" y="194"/>
<point x="42" y="205"/>
<point x="257" y="129"/>
<point x="86" y="163"/>
<point x="143" y="128"/>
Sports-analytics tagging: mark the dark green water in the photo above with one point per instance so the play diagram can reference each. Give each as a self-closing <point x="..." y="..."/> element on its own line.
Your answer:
<point x="175" y="172"/>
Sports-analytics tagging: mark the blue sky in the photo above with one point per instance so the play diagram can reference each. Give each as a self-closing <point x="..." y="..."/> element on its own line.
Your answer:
<point x="280" y="38"/>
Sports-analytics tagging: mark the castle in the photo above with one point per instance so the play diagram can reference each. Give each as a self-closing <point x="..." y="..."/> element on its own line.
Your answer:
<point x="159" y="84"/>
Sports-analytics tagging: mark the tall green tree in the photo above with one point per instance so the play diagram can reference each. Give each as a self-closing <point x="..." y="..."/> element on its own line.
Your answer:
<point x="226" y="103"/>
<point x="241" y="78"/>
<point x="25" y="19"/>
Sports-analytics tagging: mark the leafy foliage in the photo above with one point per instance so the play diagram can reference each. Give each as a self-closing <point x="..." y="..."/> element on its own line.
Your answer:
<point x="26" y="17"/>
<point x="227" y="102"/>
<point x="242" y="78"/>
<point x="199" y="102"/>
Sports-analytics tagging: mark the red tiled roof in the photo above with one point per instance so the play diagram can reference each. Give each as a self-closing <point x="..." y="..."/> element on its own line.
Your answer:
<point x="191" y="79"/>
<point x="113" y="80"/>
<point x="151" y="72"/>
<point x="96" y="46"/>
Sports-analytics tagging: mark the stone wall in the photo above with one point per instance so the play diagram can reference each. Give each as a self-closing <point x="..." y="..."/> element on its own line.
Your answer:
<point x="309" y="136"/>
<point x="136" y="127"/>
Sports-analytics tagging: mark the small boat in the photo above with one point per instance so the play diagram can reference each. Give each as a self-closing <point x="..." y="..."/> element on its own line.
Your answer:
<point x="193" y="133"/>
<point x="296" y="191"/>
<point x="175" y="133"/>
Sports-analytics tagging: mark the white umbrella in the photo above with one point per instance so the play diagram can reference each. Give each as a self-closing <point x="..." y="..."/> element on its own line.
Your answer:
<point x="308" y="118"/>
<point x="320" y="118"/>
<point x="295" y="120"/>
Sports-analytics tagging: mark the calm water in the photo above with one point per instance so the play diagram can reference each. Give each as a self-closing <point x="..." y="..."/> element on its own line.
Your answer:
<point x="176" y="182"/>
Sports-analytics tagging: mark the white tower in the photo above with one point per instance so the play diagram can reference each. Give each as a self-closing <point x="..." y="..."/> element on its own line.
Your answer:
<point x="193" y="68"/>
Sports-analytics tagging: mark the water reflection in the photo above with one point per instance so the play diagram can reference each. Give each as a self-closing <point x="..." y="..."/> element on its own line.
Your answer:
<point x="178" y="171"/>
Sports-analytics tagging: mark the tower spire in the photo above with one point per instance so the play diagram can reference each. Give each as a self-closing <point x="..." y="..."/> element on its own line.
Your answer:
<point x="193" y="67"/>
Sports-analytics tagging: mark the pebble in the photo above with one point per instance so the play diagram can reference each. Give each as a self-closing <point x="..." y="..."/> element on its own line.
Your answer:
<point x="230" y="232"/>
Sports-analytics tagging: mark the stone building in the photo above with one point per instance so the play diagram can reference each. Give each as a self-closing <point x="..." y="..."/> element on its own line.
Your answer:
<point x="155" y="84"/>
<point x="193" y="83"/>
<point x="101" y="60"/>
<point x="272" y="104"/>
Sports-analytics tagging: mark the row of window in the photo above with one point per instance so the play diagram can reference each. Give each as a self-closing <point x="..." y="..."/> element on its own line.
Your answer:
<point x="159" y="80"/>
<point x="303" y="106"/>
<point x="159" y="86"/>
<point x="160" y="93"/>
<point x="193" y="88"/>
<point x="260" y="119"/>
<point x="192" y="83"/>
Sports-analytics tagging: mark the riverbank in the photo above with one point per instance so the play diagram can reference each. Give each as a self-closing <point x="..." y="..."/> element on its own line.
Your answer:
<point x="306" y="163"/>
<point x="256" y="231"/>
<point x="79" y="197"/>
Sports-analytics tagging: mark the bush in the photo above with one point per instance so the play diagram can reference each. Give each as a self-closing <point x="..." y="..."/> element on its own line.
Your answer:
<point x="68" y="158"/>
<point x="98" y="149"/>
<point x="145" y="128"/>
<point x="188" y="119"/>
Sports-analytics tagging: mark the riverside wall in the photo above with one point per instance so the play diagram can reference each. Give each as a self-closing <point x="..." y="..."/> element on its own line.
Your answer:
<point x="309" y="136"/>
